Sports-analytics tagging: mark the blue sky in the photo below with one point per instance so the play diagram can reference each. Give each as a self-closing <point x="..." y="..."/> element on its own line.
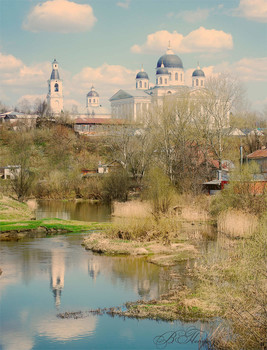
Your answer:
<point x="105" y="42"/>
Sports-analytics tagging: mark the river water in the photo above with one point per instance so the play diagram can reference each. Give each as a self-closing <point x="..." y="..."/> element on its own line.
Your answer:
<point x="44" y="276"/>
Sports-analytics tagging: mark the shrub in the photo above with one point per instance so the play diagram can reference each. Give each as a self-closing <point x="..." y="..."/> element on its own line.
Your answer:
<point x="159" y="191"/>
<point x="116" y="186"/>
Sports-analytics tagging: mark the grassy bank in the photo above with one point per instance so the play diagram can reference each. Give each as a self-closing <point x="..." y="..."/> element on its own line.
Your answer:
<point x="17" y="222"/>
<point x="11" y="209"/>
<point x="49" y="224"/>
<point x="15" y="230"/>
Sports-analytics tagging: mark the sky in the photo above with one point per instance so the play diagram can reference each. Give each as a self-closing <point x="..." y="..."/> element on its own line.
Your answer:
<point x="105" y="43"/>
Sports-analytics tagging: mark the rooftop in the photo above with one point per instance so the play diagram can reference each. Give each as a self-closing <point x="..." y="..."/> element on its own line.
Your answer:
<point x="260" y="153"/>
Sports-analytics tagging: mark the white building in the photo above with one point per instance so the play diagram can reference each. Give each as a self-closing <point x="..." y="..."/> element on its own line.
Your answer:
<point x="93" y="107"/>
<point x="132" y="104"/>
<point x="55" y="91"/>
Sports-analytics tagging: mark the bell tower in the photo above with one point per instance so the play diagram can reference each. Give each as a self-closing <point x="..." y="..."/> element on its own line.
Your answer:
<point x="55" y="92"/>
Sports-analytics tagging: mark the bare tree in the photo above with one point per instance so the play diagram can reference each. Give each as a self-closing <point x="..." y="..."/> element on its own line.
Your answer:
<point x="220" y="96"/>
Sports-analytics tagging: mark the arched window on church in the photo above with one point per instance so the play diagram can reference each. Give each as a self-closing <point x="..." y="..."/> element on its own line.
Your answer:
<point x="165" y="81"/>
<point x="136" y="85"/>
<point x="56" y="87"/>
<point x="201" y="82"/>
<point x="140" y="84"/>
<point x="145" y="85"/>
<point x="196" y="82"/>
<point x="94" y="100"/>
<point x="160" y="80"/>
<point x="176" y="76"/>
<point x="89" y="100"/>
<point x="157" y="81"/>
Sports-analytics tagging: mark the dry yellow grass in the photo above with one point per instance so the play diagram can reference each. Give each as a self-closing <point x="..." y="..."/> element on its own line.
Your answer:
<point x="193" y="213"/>
<point x="237" y="223"/>
<point x="133" y="209"/>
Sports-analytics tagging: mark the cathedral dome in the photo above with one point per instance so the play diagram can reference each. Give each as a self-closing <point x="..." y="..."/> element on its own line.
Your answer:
<point x="170" y="61"/>
<point x="198" y="73"/>
<point x="142" y="75"/>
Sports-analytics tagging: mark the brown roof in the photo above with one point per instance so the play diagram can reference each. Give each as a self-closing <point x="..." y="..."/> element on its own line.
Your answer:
<point x="260" y="153"/>
<point x="100" y="121"/>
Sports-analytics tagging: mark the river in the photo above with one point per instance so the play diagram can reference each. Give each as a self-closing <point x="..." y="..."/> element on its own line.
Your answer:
<point x="46" y="276"/>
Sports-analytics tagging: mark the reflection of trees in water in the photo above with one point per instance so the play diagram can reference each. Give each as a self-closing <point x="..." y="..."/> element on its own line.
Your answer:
<point x="70" y="210"/>
<point x="144" y="278"/>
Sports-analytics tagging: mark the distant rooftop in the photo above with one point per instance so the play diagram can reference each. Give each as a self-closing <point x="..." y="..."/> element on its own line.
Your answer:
<point x="260" y="153"/>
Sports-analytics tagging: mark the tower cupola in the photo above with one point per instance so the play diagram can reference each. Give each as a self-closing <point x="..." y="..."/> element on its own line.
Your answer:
<point x="198" y="78"/>
<point x="92" y="98"/>
<point x="142" y="80"/>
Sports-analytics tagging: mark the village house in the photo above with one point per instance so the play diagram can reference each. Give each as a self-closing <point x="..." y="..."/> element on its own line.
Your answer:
<point x="17" y="120"/>
<point x="260" y="157"/>
<point x="9" y="172"/>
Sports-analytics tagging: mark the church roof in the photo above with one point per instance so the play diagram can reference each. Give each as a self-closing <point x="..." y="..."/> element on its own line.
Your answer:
<point x="54" y="74"/>
<point x="142" y="75"/>
<point x="162" y="70"/>
<point x="170" y="61"/>
<point x="123" y="94"/>
<point x="92" y="93"/>
<point x="198" y="73"/>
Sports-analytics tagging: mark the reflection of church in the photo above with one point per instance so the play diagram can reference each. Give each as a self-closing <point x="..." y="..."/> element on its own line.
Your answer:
<point x="93" y="269"/>
<point x="57" y="275"/>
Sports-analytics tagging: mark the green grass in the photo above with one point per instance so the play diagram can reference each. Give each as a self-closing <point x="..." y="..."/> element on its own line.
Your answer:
<point x="69" y="225"/>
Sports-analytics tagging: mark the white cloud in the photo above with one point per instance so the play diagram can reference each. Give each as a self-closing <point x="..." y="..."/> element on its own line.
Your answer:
<point x="194" y="16"/>
<point x="124" y="4"/>
<point x="9" y="63"/>
<point x="107" y="79"/>
<point x="60" y="16"/>
<point x="199" y="40"/>
<point x="255" y="10"/>
<point x="247" y="69"/>
<point x="15" y="73"/>
<point x="106" y="76"/>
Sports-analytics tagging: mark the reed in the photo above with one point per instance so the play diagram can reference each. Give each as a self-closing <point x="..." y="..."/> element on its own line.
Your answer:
<point x="145" y="229"/>
<point x="237" y="223"/>
<point x="132" y="209"/>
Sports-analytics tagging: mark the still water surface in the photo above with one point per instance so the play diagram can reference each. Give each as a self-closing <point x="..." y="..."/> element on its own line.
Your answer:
<point x="42" y="277"/>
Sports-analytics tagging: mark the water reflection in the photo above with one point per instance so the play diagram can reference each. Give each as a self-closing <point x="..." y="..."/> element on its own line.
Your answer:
<point x="73" y="210"/>
<point x="66" y="329"/>
<point x="45" y="276"/>
<point x="57" y="274"/>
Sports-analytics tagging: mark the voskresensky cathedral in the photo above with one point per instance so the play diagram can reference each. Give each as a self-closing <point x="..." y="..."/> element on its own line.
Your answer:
<point x="130" y="104"/>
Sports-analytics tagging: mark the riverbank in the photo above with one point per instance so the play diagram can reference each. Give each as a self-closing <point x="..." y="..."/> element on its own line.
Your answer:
<point x="11" y="209"/>
<point x="15" y="230"/>
<point x="156" y="252"/>
<point x="17" y="221"/>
